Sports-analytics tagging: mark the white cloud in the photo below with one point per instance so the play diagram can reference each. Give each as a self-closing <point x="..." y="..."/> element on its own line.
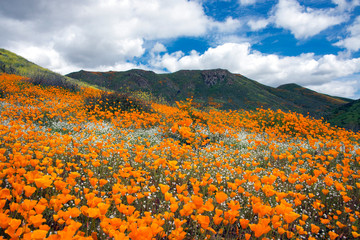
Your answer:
<point x="302" y="21"/>
<point x="158" y="48"/>
<point x="345" y="5"/>
<point x="229" y="25"/>
<point x="258" y="24"/>
<point x="352" y="42"/>
<point x="338" y="88"/>
<point x="247" y="2"/>
<point x="44" y="56"/>
<point x="269" y="69"/>
<point x="87" y="34"/>
<point x="121" y="66"/>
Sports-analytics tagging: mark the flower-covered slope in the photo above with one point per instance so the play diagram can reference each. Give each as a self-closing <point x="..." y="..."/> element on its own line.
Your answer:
<point x="171" y="173"/>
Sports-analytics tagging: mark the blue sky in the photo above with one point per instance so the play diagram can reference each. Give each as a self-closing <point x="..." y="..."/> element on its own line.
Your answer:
<point x="312" y="43"/>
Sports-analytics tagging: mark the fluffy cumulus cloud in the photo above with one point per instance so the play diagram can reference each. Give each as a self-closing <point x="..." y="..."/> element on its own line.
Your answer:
<point x="305" y="22"/>
<point x="258" y="24"/>
<point x="93" y="33"/>
<point x="44" y="56"/>
<point x="158" y="48"/>
<point x="230" y="25"/>
<point x="352" y="42"/>
<point x="270" y="69"/>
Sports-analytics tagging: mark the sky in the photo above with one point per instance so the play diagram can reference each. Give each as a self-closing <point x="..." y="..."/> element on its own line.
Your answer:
<point x="314" y="43"/>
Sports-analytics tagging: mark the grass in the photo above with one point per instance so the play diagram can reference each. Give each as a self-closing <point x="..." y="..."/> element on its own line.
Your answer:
<point x="171" y="173"/>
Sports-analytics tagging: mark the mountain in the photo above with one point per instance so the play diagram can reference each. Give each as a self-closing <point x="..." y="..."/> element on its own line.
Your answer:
<point x="347" y="116"/>
<point x="217" y="86"/>
<point x="305" y="98"/>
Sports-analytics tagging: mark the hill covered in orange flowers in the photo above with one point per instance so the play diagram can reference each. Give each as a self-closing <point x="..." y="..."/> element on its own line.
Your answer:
<point x="74" y="165"/>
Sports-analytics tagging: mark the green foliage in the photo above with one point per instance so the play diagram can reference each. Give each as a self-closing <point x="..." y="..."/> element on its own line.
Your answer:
<point x="14" y="64"/>
<point x="148" y="97"/>
<point x="49" y="79"/>
<point x="347" y="116"/>
<point x="113" y="102"/>
<point x="7" y="69"/>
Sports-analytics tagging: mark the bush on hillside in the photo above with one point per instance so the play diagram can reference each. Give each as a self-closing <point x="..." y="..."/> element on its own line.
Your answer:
<point x="149" y="97"/>
<point x="114" y="102"/>
<point x="7" y="69"/>
<point x="51" y="79"/>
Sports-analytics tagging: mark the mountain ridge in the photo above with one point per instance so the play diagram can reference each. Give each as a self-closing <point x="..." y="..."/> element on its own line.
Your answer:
<point x="232" y="91"/>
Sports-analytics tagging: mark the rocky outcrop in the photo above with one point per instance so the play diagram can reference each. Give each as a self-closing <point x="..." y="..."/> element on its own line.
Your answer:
<point x="213" y="77"/>
<point x="137" y="77"/>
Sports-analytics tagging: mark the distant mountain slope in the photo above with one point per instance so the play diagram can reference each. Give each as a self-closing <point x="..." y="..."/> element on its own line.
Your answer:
<point x="232" y="91"/>
<point x="347" y="116"/>
<point x="293" y="87"/>
<point x="308" y="99"/>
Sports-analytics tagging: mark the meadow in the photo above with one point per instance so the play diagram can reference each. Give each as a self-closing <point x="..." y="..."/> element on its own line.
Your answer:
<point x="70" y="171"/>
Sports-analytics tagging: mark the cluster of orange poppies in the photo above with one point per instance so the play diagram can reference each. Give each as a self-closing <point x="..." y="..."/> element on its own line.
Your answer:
<point x="173" y="173"/>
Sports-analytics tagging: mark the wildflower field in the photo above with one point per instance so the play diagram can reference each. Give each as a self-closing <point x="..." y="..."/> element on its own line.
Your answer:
<point x="68" y="171"/>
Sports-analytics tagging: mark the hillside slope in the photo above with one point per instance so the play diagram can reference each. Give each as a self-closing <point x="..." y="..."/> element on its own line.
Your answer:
<point x="70" y="172"/>
<point x="218" y="86"/>
<point x="14" y="64"/>
<point x="347" y="116"/>
<point x="318" y="104"/>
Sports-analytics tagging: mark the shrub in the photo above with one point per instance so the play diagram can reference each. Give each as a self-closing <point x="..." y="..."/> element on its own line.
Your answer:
<point x="149" y="97"/>
<point x="52" y="79"/>
<point x="114" y="102"/>
<point x="7" y="69"/>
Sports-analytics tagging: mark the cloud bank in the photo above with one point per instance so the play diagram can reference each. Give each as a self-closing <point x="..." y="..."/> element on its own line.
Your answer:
<point x="94" y="33"/>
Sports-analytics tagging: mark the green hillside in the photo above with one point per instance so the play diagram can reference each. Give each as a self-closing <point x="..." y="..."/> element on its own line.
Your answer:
<point x="304" y="98"/>
<point x="215" y="87"/>
<point x="14" y="64"/>
<point x="347" y="116"/>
